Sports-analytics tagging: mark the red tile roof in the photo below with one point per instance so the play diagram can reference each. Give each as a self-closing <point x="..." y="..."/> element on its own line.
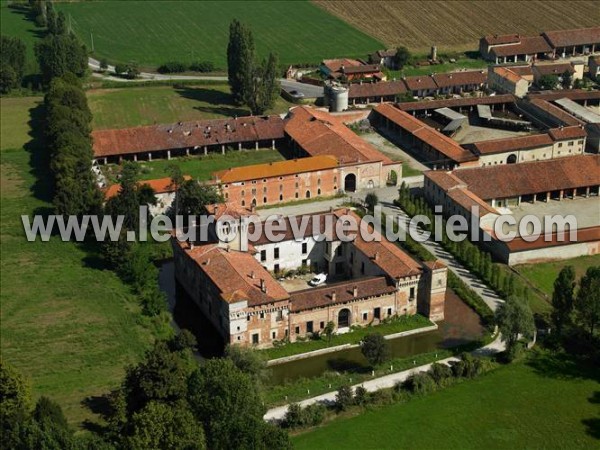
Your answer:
<point x="186" y="135"/>
<point x="366" y="68"/>
<point x="567" y="38"/>
<point x="463" y="78"/>
<point x="276" y="169"/>
<point x="468" y="200"/>
<point x="518" y="244"/>
<point x="420" y="82"/>
<point x="512" y="180"/>
<point x="445" y="180"/>
<point x="382" y="89"/>
<point x="425" y="133"/>
<point x="573" y="132"/>
<point x="553" y="69"/>
<point x="334" y="65"/>
<point x="455" y="102"/>
<point x="511" y="143"/>
<point x="573" y="94"/>
<point x="506" y="72"/>
<point x="555" y="111"/>
<point x="321" y="133"/>
<point x="344" y="292"/>
<point x="237" y="275"/>
<point x="527" y="45"/>
<point x="160" y="186"/>
<point x="501" y="39"/>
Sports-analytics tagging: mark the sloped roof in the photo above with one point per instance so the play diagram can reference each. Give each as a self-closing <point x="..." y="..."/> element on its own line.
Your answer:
<point x="511" y="143"/>
<point x="420" y="82"/>
<point x="321" y="133"/>
<point x="512" y="180"/>
<point x="455" y="102"/>
<point x="567" y="38"/>
<point x="382" y="89"/>
<point x="237" y="275"/>
<point x="461" y="78"/>
<point x="501" y="39"/>
<point x="527" y="45"/>
<point x="160" y="186"/>
<point x="186" y="135"/>
<point x="553" y="69"/>
<point x="425" y="133"/>
<point x="276" y="169"/>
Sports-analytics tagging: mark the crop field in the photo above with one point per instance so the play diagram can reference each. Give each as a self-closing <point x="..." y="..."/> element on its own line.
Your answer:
<point x="547" y="402"/>
<point x="69" y="325"/>
<point x="154" y="32"/>
<point x="457" y="25"/>
<point x="129" y="107"/>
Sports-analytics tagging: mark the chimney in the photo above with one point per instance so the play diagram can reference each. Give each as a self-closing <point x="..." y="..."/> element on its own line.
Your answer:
<point x="376" y="256"/>
<point x="207" y="262"/>
<point x="333" y="296"/>
<point x="355" y="291"/>
<point x="252" y="275"/>
<point x="263" y="286"/>
<point x="191" y="245"/>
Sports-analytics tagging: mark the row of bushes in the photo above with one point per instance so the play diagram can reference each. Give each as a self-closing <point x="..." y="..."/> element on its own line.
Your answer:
<point x="178" y="67"/>
<point x="437" y="377"/>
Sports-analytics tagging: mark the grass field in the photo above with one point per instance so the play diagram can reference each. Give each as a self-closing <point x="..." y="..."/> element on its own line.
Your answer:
<point x="121" y="108"/>
<point x="154" y="32"/>
<point x="461" y="63"/>
<point x="14" y="118"/>
<point x="546" y="403"/>
<point x="201" y="167"/>
<point x="458" y="25"/>
<point x="542" y="275"/>
<point x="68" y="324"/>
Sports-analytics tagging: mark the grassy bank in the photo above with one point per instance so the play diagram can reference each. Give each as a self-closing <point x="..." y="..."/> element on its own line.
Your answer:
<point x="137" y="106"/>
<point x="402" y="323"/>
<point x="545" y="402"/>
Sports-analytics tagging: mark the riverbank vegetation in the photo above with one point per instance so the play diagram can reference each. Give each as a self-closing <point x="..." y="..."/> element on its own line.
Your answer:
<point x="320" y="340"/>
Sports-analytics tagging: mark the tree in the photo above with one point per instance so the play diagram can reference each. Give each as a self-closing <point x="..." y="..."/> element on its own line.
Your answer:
<point x="120" y="69"/>
<point x="50" y="412"/>
<point x="547" y="82"/>
<point x="132" y="71"/>
<point x="193" y="198"/>
<point x="514" y="318"/>
<point x="240" y="59"/>
<point x="371" y="201"/>
<point x="587" y="304"/>
<point x="15" y="401"/>
<point x="160" y="425"/>
<point x="103" y="64"/>
<point x="226" y="401"/>
<point x="566" y="79"/>
<point x="261" y="88"/>
<point x="402" y="56"/>
<point x="375" y="349"/>
<point x="563" y="298"/>
<point x="329" y="330"/>
<point x="344" y="398"/>
<point x="12" y="63"/>
<point x="248" y="361"/>
<point x="58" y="54"/>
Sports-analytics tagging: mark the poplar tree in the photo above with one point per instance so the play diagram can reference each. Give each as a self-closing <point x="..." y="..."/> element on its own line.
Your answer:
<point x="563" y="298"/>
<point x="240" y="59"/>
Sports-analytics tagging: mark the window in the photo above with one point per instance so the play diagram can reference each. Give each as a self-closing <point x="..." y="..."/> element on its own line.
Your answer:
<point x="339" y="250"/>
<point x="296" y="195"/>
<point x="276" y="268"/>
<point x="253" y="181"/>
<point x="286" y="333"/>
<point x="262" y="315"/>
<point x="319" y="191"/>
<point x="560" y="144"/>
<point x="238" y="328"/>
<point x="276" y="253"/>
<point x="226" y="195"/>
<point x="389" y="311"/>
<point x="243" y="192"/>
<point x="580" y="142"/>
<point x="265" y="189"/>
<point x="263" y="255"/>
<point x="264" y="199"/>
<point x="297" y="185"/>
<point x="280" y="197"/>
<point x="248" y="317"/>
<point x="255" y="338"/>
<point x="322" y="325"/>
<point x="309" y="326"/>
<point x="319" y="182"/>
<point x="362" y="268"/>
<point x="297" y="330"/>
<point x="305" y="263"/>
<point x="571" y="143"/>
<point x="377" y="313"/>
<point x="281" y="188"/>
<point x="412" y="292"/>
<point x="365" y="316"/>
<point x="243" y="202"/>
<point x="253" y="191"/>
<point x="264" y="180"/>
<point x="351" y="257"/>
<point x="273" y="334"/>
<point x="335" y="179"/>
<point x="304" y="248"/>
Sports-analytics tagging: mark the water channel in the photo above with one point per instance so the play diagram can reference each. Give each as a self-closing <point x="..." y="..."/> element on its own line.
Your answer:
<point x="461" y="325"/>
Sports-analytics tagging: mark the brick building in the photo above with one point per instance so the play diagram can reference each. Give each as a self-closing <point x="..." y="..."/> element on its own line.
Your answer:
<point x="368" y="282"/>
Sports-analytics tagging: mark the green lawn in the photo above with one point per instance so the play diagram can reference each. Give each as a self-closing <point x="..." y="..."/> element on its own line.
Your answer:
<point x="15" y="23"/>
<point x="154" y="32"/>
<point x="200" y="167"/>
<point x="548" y="403"/>
<point x="129" y="107"/>
<point x="461" y="63"/>
<point x="543" y="275"/>
<point x="14" y="118"/>
<point x="404" y="323"/>
<point x="68" y="324"/>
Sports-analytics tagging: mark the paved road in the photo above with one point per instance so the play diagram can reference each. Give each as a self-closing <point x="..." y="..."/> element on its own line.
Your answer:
<point x="385" y="382"/>
<point x="308" y="90"/>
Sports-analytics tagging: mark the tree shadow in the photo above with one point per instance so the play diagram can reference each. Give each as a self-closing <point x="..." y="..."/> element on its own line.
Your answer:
<point x="563" y="366"/>
<point x="592" y="427"/>
<point x="222" y="101"/>
<point x="39" y="157"/>
<point x="99" y="405"/>
<point x="346" y="365"/>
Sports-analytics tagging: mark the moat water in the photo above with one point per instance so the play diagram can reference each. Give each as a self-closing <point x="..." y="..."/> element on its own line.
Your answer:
<point x="461" y="326"/>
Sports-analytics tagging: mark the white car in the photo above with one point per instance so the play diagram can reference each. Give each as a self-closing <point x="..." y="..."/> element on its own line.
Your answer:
<point x="318" y="279"/>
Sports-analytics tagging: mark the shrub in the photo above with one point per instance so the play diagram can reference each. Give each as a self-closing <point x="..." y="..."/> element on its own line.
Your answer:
<point x="120" y="69"/>
<point x="419" y="383"/>
<point x="344" y="398"/>
<point x="203" y="66"/>
<point x="360" y="396"/>
<point x="439" y="373"/>
<point x="172" y="67"/>
<point x="103" y="64"/>
<point x="381" y="397"/>
<point x="298" y="417"/>
<point x="293" y="416"/>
